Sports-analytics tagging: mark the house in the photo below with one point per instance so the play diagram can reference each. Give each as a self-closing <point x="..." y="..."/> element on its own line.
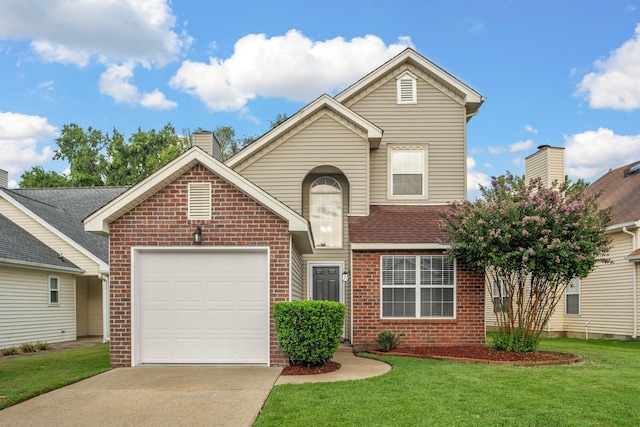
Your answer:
<point x="342" y="202"/>
<point x="604" y="304"/>
<point x="53" y="274"/>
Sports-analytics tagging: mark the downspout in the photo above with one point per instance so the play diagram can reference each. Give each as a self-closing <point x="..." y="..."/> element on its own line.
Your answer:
<point x="634" y="284"/>
<point x="105" y="306"/>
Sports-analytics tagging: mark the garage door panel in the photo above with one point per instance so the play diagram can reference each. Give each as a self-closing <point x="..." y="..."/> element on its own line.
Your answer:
<point x="209" y="307"/>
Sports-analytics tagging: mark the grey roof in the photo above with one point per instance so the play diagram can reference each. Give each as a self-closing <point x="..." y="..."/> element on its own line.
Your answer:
<point x="18" y="246"/>
<point x="66" y="208"/>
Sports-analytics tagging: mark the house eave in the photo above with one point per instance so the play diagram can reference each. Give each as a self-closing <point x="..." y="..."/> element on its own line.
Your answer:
<point x="40" y="266"/>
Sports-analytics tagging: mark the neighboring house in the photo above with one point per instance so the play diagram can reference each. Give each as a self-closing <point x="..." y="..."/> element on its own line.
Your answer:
<point x="604" y="304"/>
<point x="341" y="202"/>
<point x="53" y="274"/>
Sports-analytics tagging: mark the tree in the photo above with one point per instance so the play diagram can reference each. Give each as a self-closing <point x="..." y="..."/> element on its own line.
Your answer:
<point x="38" y="178"/>
<point x="530" y="241"/>
<point x="97" y="159"/>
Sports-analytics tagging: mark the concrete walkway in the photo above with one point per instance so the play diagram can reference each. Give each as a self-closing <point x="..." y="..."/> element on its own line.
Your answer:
<point x="151" y="395"/>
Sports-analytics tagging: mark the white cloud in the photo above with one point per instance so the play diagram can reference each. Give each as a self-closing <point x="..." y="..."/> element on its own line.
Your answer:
<point x="116" y="82"/>
<point x="475" y="178"/>
<point x="530" y="128"/>
<point x="590" y="154"/>
<point x="291" y="66"/>
<point x="616" y="83"/>
<point x="496" y="150"/>
<point x="20" y="136"/>
<point x="522" y="146"/>
<point x="72" y="31"/>
<point x="157" y="101"/>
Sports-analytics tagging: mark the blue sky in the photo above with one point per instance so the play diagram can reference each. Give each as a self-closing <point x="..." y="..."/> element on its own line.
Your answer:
<point x="564" y="73"/>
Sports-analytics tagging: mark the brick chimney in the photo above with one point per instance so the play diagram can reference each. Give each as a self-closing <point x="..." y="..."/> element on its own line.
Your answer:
<point x="4" y="178"/>
<point x="547" y="164"/>
<point x="208" y="142"/>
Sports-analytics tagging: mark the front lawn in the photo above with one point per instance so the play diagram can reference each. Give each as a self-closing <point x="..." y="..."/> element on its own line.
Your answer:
<point x="25" y="377"/>
<point x="604" y="390"/>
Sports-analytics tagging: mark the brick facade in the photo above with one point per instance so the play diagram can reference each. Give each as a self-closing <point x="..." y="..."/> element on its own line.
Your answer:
<point x="161" y="220"/>
<point x="466" y="329"/>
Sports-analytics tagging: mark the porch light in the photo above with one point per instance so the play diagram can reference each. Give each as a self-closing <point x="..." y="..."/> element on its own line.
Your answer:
<point x="197" y="235"/>
<point x="345" y="277"/>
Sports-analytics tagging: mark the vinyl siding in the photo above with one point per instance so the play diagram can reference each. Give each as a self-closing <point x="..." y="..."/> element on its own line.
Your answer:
<point x="606" y="295"/>
<point x="48" y="238"/>
<point x="546" y="164"/>
<point x="437" y="121"/>
<point x="25" y="314"/>
<point x="297" y="277"/>
<point x="88" y="306"/>
<point x="325" y="141"/>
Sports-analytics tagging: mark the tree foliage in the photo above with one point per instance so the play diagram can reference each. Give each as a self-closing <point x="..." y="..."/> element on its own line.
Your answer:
<point x="530" y="241"/>
<point x="96" y="158"/>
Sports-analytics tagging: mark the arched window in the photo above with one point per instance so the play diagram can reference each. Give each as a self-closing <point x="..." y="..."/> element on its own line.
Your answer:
<point x="325" y="212"/>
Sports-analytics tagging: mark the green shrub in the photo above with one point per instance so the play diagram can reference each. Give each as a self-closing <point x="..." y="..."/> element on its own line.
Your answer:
<point x="388" y="340"/>
<point x="43" y="346"/>
<point x="516" y="341"/>
<point x="28" y="348"/>
<point x="309" y="331"/>
<point x="11" y="351"/>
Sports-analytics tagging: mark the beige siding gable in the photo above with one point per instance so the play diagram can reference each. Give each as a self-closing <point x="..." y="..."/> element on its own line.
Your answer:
<point x="326" y="141"/>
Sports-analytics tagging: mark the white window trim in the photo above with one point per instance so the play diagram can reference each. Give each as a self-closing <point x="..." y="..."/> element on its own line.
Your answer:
<point x="341" y="246"/>
<point x="417" y="287"/>
<point x="407" y="76"/>
<point x="49" y="291"/>
<point x="579" y="293"/>
<point x="203" y="212"/>
<point x="425" y="194"/>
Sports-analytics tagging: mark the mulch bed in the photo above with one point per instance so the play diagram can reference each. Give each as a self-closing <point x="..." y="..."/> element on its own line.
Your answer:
<point x="302" y="370"/>
<point x="482" y="354"/>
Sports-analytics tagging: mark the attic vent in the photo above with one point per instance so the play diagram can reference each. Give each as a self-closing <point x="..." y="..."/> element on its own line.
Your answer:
<point x="406" y="87"/>
<point x="632" y="170"/>
<point x="199" y="200"/>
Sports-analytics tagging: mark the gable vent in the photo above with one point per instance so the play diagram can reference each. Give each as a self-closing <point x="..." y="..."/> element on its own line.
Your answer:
<point x="406" y="86"/>
<point x="199" y="200"/>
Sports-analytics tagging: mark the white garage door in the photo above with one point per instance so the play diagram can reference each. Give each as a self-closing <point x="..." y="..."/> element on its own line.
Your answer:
<point x="202" y="306"/>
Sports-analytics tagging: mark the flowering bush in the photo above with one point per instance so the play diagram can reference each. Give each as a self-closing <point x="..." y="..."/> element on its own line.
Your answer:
<point x="530" y="241"/>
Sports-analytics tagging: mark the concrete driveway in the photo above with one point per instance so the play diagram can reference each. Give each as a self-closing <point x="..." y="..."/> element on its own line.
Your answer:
<point x="152" y="396"/>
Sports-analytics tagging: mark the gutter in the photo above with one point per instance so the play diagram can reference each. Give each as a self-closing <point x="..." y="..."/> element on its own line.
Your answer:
<point x="634" y="284"/>
<point x="40" y="266"/>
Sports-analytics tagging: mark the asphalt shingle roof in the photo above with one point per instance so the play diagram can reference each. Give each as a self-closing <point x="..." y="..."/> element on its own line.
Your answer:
<point x="16" y="244"/>
<point x="66" y="208"/>
<point x="398" y="224"/>
<point x="620" y="191"/>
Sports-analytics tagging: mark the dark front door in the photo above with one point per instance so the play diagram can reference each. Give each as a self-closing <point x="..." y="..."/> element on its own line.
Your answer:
<point x="326" y="283"/>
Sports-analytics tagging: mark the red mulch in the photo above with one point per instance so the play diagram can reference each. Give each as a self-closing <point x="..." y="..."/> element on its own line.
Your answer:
<point x="302" y="370"/>
<point x="482" y="354"/>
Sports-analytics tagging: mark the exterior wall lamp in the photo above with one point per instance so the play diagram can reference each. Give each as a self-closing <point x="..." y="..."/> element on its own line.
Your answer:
<point x="197" y="235"/>
<point x="345" y="276"/>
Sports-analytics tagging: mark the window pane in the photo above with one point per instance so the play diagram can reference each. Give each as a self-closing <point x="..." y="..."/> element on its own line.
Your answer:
<point x="407" y="172"/>
<point x="325" y="212"/>
<point x="398" y="302"/>
<point x="573" y="304"/>
<point x="54" y="297"/>
<point x="398" y="270"/>
<point x="407" y="185"/>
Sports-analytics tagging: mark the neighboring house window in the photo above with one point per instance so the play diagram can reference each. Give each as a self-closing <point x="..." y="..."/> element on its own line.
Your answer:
<point x="54" y="290"/>
<point x="407" y="171"/>
<point x="572" y="297"/>
<point x="418" y="286"/>
<point x="325" y="212"/>
<point x="199" y="200"/>
<point x="406" y="88"/>
<point x="500" y="305"/>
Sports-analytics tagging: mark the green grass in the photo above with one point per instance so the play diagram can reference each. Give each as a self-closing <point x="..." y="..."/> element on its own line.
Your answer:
<point x="25" y="377"/>
<point x="604" y="390"/>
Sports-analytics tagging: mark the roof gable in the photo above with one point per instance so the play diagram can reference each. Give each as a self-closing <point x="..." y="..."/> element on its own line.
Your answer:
<point x="472" y="99"/>
<point x="373" y="132"/>
<point x="99" y="221"/>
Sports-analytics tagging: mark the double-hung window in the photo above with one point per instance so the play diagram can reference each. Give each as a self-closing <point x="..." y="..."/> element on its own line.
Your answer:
<point x="572" y="297"/>
<point x="420" y="286"/>
<point x="54" y="290"/>
<point x="407" y="172"/>
<point x="500" y="299"/>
